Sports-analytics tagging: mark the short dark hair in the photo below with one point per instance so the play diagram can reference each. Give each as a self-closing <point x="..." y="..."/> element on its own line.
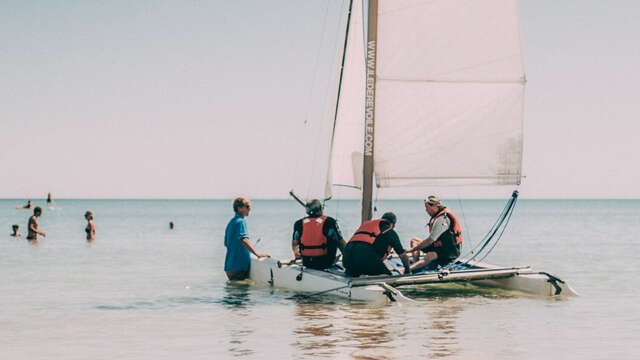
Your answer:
<point x="238" y="203"/>
<point x="15" y="226"/>
<point x="390" y="217"/>
<point x="37" y="209"/>
<point x="314" y="207"/>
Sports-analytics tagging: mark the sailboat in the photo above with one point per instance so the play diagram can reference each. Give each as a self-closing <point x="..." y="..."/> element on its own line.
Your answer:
<point x="431" y="92"/>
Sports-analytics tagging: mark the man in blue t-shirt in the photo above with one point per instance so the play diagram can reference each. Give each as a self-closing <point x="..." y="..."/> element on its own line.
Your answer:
<point x="236" y="239"/>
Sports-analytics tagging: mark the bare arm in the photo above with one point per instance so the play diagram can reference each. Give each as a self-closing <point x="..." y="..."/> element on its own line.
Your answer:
<point x="405" y="261"/>
<point x="423" y="244"/>
<point x="295" y="248"/>
<point x="33" y="226"/>
<point x="245" y="242"/>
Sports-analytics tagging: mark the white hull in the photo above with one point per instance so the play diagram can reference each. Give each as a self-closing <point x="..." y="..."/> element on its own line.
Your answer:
<point x="376" y="289"/>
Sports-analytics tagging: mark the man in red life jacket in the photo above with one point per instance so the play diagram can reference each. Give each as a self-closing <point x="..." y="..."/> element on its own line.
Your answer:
<point x="316" y="238"/>
<point x="370" y="245"/>
<point x="442" y="246"/>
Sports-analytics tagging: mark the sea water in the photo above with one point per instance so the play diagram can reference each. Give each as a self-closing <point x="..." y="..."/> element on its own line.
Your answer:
<point x="143" y="291"/>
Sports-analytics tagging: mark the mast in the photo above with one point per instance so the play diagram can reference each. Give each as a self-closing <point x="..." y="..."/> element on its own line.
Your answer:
<point x="369" y="110"/>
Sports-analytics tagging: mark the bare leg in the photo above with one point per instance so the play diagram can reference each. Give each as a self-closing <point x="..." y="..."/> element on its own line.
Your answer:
<point x="416" y="254"/>
<point x="427" y="258"/>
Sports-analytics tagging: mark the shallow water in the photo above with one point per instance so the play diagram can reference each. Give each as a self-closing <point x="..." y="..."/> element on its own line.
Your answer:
<point x="144" y="291"/>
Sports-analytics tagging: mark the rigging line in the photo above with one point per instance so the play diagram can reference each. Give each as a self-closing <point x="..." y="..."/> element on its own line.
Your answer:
<point x="331" y="87"/>
<point x="344" y="56"/>
<point x="495" y="229"/>
<point x="499" y="236"/>
<point x="475" y="251"/>
<point x="506" y="215"/>
<point x="464" y="219"/>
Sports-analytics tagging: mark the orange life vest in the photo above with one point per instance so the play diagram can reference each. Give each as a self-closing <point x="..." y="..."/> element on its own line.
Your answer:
<point x="454" y="226"/>
<point x="313" y="242"/>
<point x="369" y="231"/>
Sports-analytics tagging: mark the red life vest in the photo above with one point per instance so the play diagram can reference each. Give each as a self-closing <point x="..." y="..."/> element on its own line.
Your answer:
<point x="369" y="231"/>
<point x="454" y="226"/>
<point x="313" y="242"/>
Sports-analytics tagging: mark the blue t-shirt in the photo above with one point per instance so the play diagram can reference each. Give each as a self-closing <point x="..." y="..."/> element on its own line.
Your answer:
<point x="237" y="258"/>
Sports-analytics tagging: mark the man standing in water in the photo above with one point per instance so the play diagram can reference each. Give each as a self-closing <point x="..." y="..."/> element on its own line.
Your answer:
<point x="33" y="225"/>
<point x="236" y="238"/>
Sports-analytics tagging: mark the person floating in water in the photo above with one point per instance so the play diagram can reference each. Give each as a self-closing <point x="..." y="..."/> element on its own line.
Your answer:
<point x="91" y="226"/>
<point x="236" y="238"/>
<point x="27" y="206"/>
<point x="316" y="238"/>
<point x="33" y="233"/>
<point x="171" y="225"/>
<point x="15" y="228"/>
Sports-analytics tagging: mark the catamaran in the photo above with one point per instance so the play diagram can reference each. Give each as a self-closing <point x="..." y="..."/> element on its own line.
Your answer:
<point x="435" y="89"/>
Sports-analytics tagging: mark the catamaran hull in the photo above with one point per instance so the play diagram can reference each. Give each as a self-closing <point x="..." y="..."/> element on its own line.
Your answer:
<point x="293" y="277"/>
<point x="380" y="289"/>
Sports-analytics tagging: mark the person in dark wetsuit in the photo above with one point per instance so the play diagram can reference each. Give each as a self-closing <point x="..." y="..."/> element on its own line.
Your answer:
<point x="370" y="245"/>
<point x="91" y="226"/>
<point x="316" y="238"/>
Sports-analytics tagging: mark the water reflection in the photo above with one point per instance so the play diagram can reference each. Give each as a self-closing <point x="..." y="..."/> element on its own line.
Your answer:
<point x="442" y="333"/>
<point x="371" y="331"/>
<point x="236" y="298"/>
<point x="316" y="332"/>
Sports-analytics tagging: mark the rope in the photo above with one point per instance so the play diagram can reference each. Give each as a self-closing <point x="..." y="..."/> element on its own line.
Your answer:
<point x="464" y="221"/>
<point x="499" y="226"/>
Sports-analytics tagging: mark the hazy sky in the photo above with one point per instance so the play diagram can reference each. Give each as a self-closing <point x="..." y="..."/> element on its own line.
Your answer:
<point x="208" y="99"/>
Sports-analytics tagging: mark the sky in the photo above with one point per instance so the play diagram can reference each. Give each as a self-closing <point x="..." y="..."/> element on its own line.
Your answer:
<point x="215" y="99"/>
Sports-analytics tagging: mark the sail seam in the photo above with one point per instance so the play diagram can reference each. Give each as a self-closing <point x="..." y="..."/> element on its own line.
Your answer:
<point x="442" y="81"/>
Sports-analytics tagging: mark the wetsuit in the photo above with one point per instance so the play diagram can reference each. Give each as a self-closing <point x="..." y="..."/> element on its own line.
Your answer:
<point x="362" y="258"/>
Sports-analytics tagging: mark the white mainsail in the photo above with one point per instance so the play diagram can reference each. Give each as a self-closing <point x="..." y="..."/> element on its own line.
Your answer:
<point x="347" y="142"/>
<point x="449" y="95"/>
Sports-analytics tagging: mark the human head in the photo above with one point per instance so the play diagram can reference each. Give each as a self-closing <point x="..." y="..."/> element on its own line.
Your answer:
<point x="390" y="217"/>
<point x="88" y="215"/>
<point x="432" y="204"/>
<point x="314" y="208"/>
<point x="241" y="206"/>
<point x="37" y="211"/>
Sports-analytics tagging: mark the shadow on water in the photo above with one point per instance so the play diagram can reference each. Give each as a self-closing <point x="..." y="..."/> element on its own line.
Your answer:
<point x="236" y="296"/>
<point x="455" y="290"/>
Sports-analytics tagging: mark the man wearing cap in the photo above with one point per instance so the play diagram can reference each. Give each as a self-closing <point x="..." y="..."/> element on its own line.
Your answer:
<point x="442" y="246"/>
<point x="370" y="245"/>
<point x="316" y="238"/>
